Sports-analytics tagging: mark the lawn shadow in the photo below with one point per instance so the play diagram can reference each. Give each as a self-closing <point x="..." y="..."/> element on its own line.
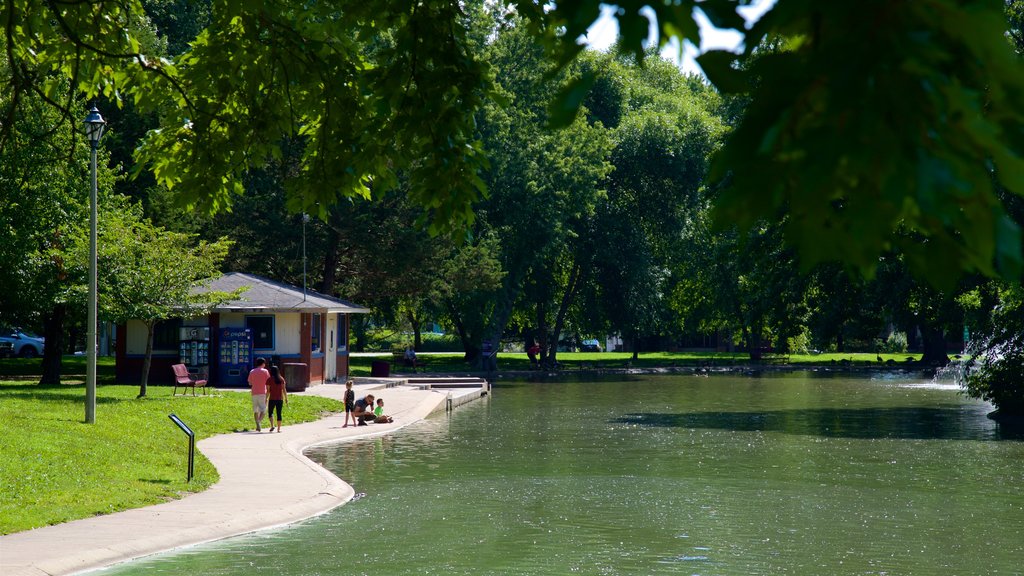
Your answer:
<point x="37" y="395"/>
<point x="952" y="422"/>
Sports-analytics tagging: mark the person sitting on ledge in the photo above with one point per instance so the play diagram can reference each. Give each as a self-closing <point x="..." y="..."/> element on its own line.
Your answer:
<point x="380" y="416"/>
<point x="364" y="410"/>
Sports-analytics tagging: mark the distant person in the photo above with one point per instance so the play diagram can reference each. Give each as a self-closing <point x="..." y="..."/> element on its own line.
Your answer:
<point x="410" y="357"/>
<point x="277" y="396"/>
<point x="258" y="384"/>
<point x="350" y="403"/>
<point x="364" y="410"/>
<point x="532" y="353"/>
<point x="378" y="413"/>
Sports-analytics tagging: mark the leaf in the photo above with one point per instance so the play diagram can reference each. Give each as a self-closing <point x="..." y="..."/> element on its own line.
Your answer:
<point x="718" y="67"/>
<point x="566" y="104"/>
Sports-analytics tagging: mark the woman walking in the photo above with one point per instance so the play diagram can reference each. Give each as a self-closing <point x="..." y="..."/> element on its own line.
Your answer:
<point x="277" y="395"/>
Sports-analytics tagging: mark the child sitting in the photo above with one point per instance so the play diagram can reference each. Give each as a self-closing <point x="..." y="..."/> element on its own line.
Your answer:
<point x="378" y="412"/>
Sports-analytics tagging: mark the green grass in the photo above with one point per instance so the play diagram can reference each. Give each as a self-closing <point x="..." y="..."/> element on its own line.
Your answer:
<point x="515" y="361"/>
<point x="72" y="368"/>
<point x="57" y="468"/>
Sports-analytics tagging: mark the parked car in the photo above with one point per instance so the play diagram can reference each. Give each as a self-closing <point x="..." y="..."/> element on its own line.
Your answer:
<point x="6" y="349"/>
<point x="591" y="345"/>
<point x="22" y="344"/>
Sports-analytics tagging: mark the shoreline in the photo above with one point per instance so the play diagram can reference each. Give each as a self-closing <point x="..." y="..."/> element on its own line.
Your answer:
<point x="249" y="497"/>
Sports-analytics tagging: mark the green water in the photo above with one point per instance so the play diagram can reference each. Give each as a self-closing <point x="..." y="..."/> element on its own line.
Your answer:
<point x="793" y="474"/>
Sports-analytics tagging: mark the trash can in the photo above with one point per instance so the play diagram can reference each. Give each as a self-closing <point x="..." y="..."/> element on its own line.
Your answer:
<point x="296" y="375"/>
<point x="380" y="369"/>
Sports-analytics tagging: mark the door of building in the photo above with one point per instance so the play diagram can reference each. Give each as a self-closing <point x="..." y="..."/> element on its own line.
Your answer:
<point x="331" y="350"/>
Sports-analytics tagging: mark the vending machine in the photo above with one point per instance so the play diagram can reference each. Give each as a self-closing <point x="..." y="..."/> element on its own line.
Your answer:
<point x="234" y="356"/>
<point x="194" y="348"/>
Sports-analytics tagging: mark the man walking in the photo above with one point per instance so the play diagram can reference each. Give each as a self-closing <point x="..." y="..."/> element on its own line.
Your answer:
<point x="258" y="383"/>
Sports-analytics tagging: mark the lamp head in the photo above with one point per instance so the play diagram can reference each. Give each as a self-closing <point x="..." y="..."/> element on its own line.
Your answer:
<point x="94" y="124"/>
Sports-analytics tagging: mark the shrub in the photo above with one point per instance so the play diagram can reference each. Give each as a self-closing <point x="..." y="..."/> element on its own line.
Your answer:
<point x="997" y="372"/>
<point x="896" y="343"/>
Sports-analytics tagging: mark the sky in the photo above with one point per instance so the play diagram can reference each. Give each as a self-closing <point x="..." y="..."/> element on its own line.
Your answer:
<point x="603" y="32"/>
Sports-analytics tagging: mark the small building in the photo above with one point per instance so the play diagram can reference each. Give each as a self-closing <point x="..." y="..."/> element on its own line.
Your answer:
<point x="271" y="319"/>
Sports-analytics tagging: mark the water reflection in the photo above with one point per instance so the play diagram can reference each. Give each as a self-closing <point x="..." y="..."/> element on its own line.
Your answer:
<point x="952" y="422"/>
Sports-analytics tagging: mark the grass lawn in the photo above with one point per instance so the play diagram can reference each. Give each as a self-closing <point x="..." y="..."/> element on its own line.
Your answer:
<point x="515" y="361"/>
<point x="57" y="468"/>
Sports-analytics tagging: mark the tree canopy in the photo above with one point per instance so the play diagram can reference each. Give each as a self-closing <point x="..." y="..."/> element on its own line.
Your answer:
<point x="871" y="125"/>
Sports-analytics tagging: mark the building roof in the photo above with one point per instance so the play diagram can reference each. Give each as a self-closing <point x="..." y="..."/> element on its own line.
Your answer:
<point x="266" y="295"/>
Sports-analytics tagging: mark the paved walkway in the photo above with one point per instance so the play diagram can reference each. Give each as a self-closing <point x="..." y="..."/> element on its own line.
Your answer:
<point x="265" y="482"/>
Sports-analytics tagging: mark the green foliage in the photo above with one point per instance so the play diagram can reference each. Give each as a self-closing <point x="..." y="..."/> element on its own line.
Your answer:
<point x="799" y="344"/>
<point x="825" y="140"/>
<point x="998" y="369"/>
<point x="65" y="470"/>
<point x="151" y="274"/>
<point x="367" y="89"/>
<point x="44" y="207"/>
<point x="865" y="146"/>
<point x="895" y="343"/>
<point x="1015" y="15"/>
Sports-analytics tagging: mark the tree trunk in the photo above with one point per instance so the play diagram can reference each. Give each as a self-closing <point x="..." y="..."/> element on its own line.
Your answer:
<point x="563" y="308"/>
<point x="934" y="344"/>
<point x="840" y="345"/>
<point x="53" y="331"/>
<point x="489" y="360"/>
<point x="470" y="352"/>
<point x="417" y="336"/>
<point x="148" y="360"/>
<point x="548" y="351"/>
<point x="753" y="338"/>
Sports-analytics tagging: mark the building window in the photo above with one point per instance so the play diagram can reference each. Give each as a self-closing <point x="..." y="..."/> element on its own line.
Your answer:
<point x="315" y="336"/>
<point x="262" y="331"/>
<point x="166" y="334"/>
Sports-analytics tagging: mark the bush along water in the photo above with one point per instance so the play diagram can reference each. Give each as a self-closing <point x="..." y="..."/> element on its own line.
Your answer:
<point x="994" y="370"/>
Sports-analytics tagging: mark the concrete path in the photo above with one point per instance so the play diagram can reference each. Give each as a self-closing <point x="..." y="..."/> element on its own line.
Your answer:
<point x="265" y="482"/>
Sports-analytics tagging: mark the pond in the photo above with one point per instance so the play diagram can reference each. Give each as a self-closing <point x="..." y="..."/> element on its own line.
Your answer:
<point x="795" y="473"/>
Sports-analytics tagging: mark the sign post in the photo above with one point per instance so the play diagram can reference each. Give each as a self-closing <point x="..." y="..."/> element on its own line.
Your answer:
<point x="191" y="444"/>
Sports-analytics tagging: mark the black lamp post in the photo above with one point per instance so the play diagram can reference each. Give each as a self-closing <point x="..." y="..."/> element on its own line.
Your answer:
<point x="94" y="125"/>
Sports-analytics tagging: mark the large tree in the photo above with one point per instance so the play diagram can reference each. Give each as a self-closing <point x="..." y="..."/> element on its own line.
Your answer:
<point x="542" y="184"/>
<point x="44" y="210"/>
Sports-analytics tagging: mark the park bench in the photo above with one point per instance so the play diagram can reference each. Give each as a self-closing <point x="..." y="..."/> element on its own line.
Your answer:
<point x="398" y="359"/>
<point x="184" y="379"/>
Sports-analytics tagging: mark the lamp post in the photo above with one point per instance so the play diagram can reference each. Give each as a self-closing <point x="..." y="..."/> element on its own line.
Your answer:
<point x="94" y="125"/>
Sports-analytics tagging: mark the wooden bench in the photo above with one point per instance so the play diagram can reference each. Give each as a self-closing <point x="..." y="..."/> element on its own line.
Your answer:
<point x="398" y="360"/>
<point x="184" y="379"/>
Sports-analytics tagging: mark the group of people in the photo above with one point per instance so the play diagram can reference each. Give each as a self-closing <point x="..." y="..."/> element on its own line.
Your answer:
<point x="364" y="409"/>
<point x="269" y="393"/>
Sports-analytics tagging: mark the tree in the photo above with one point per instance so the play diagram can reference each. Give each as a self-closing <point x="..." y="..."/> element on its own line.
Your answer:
<point x="542" y="185"/>
<point x="260" y="75"/>
<point x="373" y="88"/>
<point x="856" y="141"/>
<point x="151" y="274"/>
<point x="44" y="207"/>
<point x="995" y="372"/>
<point x="745" y="284"/>
<point x="662" y="146"/>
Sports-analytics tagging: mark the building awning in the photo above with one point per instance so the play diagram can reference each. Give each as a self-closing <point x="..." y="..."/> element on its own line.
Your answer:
<point x="269" y="296"/>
